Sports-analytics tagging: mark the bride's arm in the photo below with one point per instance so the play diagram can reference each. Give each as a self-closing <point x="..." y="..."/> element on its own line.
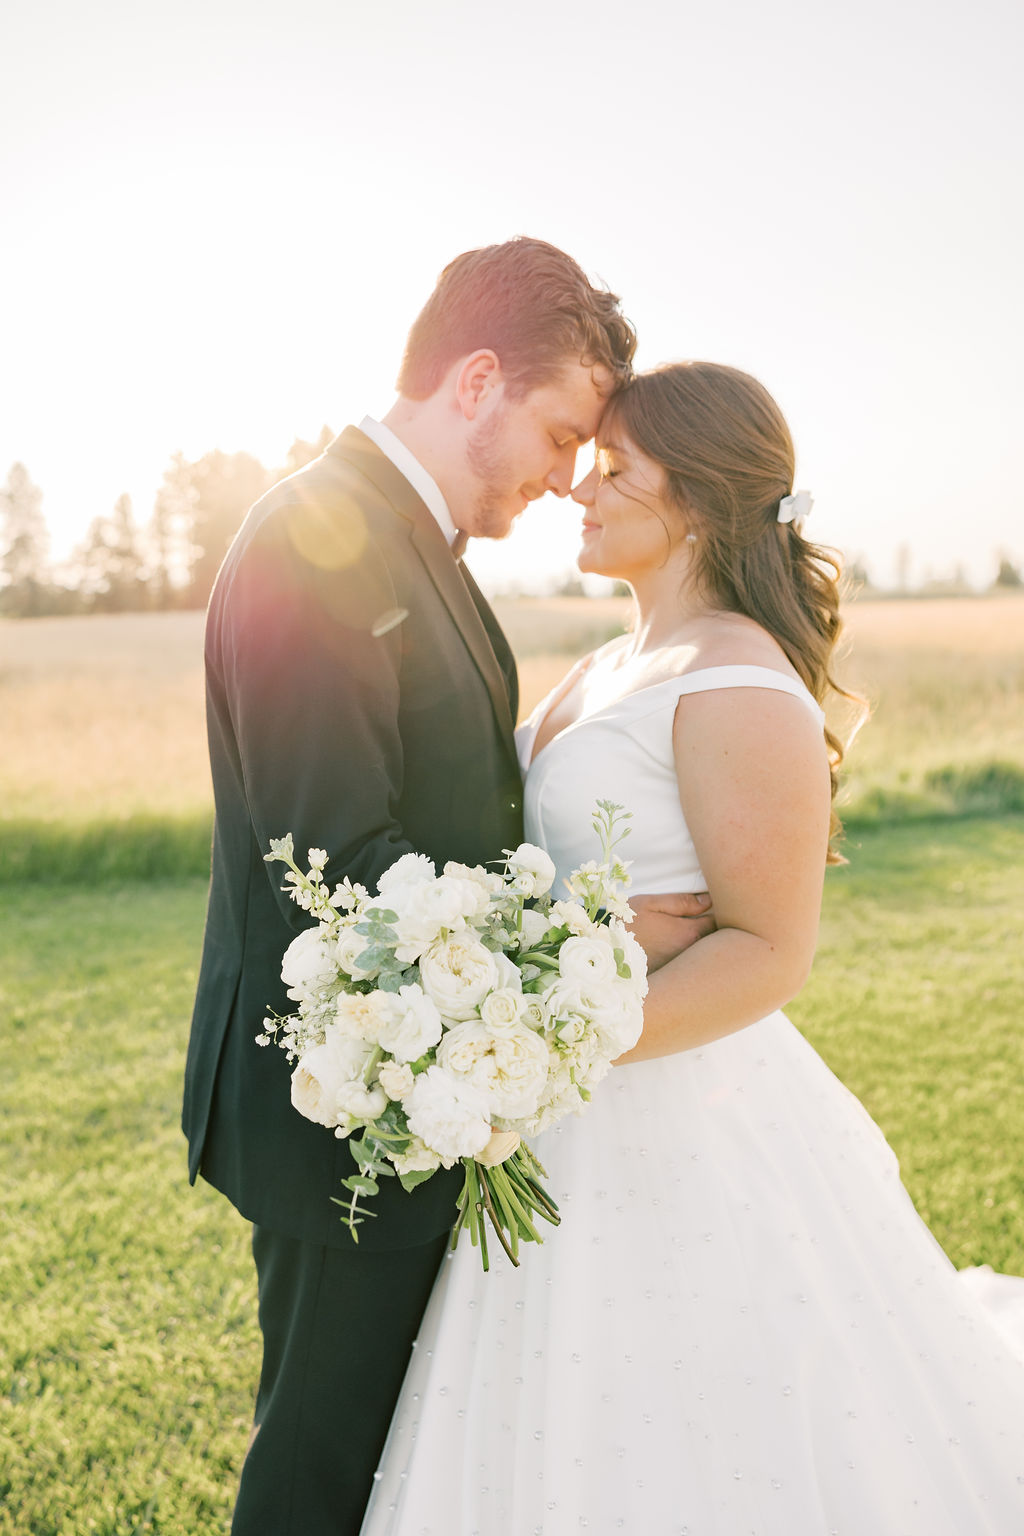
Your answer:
<point x="754" y="787"/>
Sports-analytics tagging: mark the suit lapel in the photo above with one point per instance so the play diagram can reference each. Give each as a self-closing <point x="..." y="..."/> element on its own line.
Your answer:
<point x="456" y="587"/>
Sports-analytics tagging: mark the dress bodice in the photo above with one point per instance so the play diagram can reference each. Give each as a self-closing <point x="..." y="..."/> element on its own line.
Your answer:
<point x="624" y="753"/>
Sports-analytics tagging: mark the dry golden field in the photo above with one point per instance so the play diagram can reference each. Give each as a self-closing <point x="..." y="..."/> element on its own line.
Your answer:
<point x="103" y="716"/>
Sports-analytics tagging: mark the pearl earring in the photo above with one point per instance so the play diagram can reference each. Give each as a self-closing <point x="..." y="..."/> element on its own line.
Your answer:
<point x="691" y="538"/>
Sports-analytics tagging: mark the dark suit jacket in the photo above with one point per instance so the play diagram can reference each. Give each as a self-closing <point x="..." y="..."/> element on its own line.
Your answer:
<point x="360" y="695"/>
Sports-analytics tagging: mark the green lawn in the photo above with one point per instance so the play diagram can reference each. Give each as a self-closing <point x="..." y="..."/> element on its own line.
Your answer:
<point x="128" y="1344"/>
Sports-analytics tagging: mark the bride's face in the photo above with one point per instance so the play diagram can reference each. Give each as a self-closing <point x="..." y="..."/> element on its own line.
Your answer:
<point x="629" y="528"/>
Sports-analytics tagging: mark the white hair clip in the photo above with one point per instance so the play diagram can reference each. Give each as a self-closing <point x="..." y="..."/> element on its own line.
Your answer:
<point x="795" y="508"/>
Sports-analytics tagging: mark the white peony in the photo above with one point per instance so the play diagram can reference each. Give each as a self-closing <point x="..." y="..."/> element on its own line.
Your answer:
<point x="587" y="962"/>
<point x="308" y="965"/>
<point x="450" y="1118"/>
<point x="413" y="1024"/>
<point x="532" y="870"/>
<point x="488" y="880"/>
<point x="457" y="973"/>
<point x="321" y="1072"/>
<point x="410" y="869"/>
<point x="426" y="909"/>
<point x="509" y="1065"/>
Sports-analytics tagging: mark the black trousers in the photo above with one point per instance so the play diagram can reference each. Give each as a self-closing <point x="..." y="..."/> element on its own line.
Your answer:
<point x="338" y="1325"/>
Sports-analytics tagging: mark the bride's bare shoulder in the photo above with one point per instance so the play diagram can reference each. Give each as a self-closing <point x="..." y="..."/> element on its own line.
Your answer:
<point x="733" y="640"/>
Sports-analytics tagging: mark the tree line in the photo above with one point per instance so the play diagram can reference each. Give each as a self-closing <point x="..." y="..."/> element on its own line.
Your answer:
<point x="123" y="565"/>
<point x="171" y="560"/>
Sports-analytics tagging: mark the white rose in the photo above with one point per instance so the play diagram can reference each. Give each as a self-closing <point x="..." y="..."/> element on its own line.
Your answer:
<point x="363" y="1016"/>
<point x="347" y="949"/>
<point x="320" y="1072"/>
<point x="499" y="1149"/>
<point x="532" y="870"/>
<point x="508" y="976"/>
<point x="587" y="963"/>
<point x="307" y="965"/>
<point x="449" y="1117"/>
<point x="413" y="1024"/>
<point x="534" y="926"/>
<point x="410" y="869"/>
<point x="501" y="1008"/>
<point x="396" y="1078"/>
<point x="535" y="1012"/>
<point x="457" y="973"/>
<point x="509" y="1065"/>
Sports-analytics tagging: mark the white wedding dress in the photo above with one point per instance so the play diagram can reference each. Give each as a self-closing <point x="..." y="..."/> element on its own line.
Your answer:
<point x="742" y="1327"/>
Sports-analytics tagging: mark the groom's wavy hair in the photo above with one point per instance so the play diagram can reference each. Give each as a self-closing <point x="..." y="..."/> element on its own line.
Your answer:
<point x="529" y="303"/>
<point x="728" y="459"/>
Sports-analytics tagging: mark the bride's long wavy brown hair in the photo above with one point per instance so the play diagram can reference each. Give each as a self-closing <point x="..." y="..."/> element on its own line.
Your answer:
<point x="728" y="459"/>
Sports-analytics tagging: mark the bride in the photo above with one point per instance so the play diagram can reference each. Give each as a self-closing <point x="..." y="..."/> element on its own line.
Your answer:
<point x="742" y="1328"/>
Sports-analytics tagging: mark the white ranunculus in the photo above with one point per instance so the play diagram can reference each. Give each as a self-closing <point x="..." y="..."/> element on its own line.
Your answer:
<point x="307" y="965"/>
<point x="410" y="869"/>
<point x="532" y="870"/>
<point x="413" y="1024"/>
<point x="449" y="1117"/>
<point x="396" y="1078"/>
<point x="320" y="1072"/>
<point x="457" y="973"/>
<point x="534" y="926"/>
<point x="588" y="963"/>
<point x="617" y="1015"/>
<point x="509" y="1065"/>
<point x="502" y="1008"/>
<point x="633" y="955"/>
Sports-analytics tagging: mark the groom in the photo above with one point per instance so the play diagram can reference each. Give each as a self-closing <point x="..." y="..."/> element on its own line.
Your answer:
<point x="361" y="696"/>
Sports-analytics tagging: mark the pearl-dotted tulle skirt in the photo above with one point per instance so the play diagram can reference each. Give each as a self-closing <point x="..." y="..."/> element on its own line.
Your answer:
<point x="742" y="1328"/>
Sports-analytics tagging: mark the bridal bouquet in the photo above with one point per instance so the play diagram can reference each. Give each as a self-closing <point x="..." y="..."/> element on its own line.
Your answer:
<point x="448" y="1016"/>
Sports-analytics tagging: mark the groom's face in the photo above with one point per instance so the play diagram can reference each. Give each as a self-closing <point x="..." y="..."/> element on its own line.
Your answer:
<point x="523" y="446"/>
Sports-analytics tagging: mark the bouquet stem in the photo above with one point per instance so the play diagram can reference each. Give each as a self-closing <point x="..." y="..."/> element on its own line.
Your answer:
<point x="508" y="1197"/>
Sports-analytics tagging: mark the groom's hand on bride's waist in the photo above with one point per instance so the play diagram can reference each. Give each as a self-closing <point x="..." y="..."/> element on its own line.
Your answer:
<point x="666" y="925"/>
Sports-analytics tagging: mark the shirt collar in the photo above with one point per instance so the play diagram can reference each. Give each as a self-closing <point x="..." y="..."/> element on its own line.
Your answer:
<point x="406" y="462"/>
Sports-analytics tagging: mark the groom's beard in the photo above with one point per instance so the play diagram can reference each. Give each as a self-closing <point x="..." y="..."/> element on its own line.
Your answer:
<point x="497" y="502"/>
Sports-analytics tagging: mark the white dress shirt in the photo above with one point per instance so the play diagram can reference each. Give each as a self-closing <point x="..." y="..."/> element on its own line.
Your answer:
<point x="407" y="464"/>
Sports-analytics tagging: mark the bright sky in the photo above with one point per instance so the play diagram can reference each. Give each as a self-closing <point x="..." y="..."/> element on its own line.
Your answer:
<point x="221" y="216"/>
